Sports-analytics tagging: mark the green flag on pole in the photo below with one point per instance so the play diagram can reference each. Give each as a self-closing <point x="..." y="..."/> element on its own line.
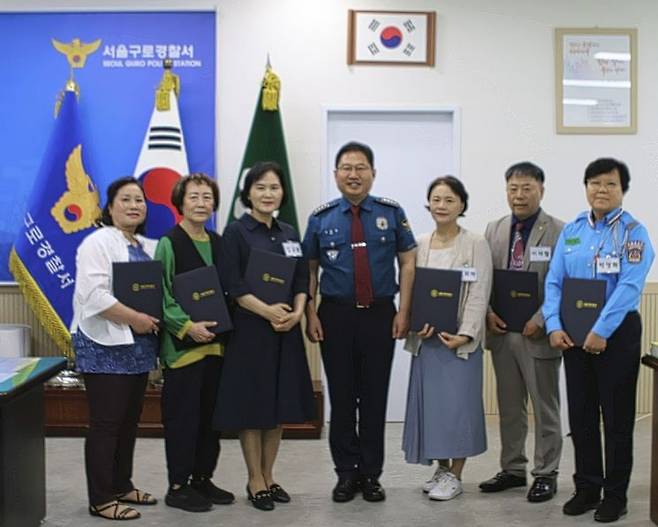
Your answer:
<point x="266" y="143"/>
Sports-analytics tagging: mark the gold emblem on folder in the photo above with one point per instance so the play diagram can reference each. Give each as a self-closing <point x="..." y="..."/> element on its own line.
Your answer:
<point x="519" y="294"/>
<point x="583" y="304"/>
<point x="435" y="293"/>
<point x="267" y="277"/>
<point x="198" y="295"/>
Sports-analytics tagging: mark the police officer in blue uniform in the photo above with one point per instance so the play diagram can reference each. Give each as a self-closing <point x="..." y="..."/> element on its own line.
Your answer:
<point x="605" y="243"/>
<point x="356" y="240"/>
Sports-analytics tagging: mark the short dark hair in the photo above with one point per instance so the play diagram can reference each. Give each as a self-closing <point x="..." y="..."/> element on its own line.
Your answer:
<point x="455" y="185"/>
<point x="256" y="173"/>
<point x="112" y="191"/>
<point x="354" y="146"/>
<point x="525" y="168"/>
<point x="178" y="192"/>
<point x="603" y="165"/>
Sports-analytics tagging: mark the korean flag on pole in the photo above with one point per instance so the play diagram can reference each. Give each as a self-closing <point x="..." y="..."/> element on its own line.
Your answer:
<point x="163" y="158"/>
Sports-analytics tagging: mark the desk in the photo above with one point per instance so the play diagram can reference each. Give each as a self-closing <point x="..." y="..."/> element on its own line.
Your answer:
<point x="22" y="449"/>
<point x="652" y="362"/>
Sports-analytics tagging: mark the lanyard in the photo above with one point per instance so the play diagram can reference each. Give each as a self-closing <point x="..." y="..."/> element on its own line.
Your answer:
<point x="611" y="228"/>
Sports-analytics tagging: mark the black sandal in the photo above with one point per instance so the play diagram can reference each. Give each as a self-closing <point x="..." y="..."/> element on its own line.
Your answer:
<point x="118" y="513"/>
<point x="143" y="498"/>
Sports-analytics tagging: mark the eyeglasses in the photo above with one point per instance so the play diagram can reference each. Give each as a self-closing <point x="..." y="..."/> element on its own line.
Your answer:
<point x="359" y="169"/>
<point x="598" y="185"/>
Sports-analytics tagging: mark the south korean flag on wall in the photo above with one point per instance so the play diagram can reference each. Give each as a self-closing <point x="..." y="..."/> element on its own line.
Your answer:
<point x="391" y="37"/>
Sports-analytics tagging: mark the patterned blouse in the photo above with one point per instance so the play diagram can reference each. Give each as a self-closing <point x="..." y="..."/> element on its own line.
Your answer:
<point x="140" y="357"/>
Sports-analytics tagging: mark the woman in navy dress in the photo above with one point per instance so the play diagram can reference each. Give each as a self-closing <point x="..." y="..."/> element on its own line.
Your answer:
<point x="265" y="381"/>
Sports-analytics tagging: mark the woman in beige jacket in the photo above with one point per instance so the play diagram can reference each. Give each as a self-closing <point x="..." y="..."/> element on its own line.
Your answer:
<point x="445" y="416"/>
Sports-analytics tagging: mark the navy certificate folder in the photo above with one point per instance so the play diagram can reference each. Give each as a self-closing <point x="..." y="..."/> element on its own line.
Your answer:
<point x="582" y="302"/>
<point x="515" y="297"/>
<point x="435" y="299"/>
<point x="199" y="293"/>
<point x="139" y="285"/>
<point x="270" y="276"/>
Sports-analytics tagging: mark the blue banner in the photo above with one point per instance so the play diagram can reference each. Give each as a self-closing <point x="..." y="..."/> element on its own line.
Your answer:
<point x="62" y="210"/>
<point x="117" y="90"/>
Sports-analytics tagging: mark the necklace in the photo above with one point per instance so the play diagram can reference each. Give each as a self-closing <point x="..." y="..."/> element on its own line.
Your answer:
<point x="436" y="242"/>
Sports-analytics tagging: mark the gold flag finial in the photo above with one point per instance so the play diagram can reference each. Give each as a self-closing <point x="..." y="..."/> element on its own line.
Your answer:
<point x="170" y="81"/>
<point x="71" y="86"/>
<point x="271" y="89"/>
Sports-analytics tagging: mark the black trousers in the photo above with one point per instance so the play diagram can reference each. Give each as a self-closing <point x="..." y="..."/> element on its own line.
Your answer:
<point x="188" y="403"/>
<point x="604" y="384"/>
<point x="115" y="404"/>
<point x="357" y="353"/>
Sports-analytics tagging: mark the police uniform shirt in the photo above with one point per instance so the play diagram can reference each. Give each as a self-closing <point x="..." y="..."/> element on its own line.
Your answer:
<point x="581" y="243"/>
<point x="246" y="233"/>
<point x="328" y="239"/>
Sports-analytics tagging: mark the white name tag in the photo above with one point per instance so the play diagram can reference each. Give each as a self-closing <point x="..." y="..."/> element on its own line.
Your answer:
<point x="608" y="265"/>
<point x="540" y="254"/>
<point x="292" y="249"/>
<point x="469" y="274"/>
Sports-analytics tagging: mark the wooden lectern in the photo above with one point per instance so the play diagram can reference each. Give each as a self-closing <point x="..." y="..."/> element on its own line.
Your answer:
<point x="652" y="362"/>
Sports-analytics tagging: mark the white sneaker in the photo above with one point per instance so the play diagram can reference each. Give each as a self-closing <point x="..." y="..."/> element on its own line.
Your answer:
<point x="430" y="483"/>
<point x="446" y="488"/>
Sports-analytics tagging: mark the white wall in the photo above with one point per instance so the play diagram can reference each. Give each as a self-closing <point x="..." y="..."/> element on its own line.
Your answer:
<point x="494" y="61"/>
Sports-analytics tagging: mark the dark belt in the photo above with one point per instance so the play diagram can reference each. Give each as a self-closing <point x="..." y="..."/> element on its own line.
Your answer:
<point x="350" y="301"/>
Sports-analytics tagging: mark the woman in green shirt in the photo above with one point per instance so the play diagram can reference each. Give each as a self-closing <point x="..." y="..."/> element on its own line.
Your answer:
<point x="190" y="355"/>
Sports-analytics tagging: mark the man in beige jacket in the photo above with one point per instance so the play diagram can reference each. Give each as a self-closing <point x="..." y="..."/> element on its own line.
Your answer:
<point x="524" y="362"/>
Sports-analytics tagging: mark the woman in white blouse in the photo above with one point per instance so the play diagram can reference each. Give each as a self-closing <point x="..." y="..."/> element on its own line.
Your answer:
<point x="445" y="416"/>
<point x="115" y="348"/>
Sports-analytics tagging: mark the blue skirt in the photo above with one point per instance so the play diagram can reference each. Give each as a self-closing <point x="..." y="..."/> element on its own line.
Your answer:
<point x="445" y="414"/>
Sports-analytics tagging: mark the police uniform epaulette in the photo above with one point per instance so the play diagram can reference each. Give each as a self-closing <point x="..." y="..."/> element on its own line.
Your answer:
<point x="388" y="201"/>
<point x="325" y="206"/>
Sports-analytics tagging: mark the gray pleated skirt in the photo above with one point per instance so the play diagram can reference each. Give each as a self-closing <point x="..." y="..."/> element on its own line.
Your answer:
<point x="445" y="414"/>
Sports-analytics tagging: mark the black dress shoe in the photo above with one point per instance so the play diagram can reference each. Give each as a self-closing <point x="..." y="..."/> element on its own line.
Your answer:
<point x="610" y="510"/>
<point x="372" y="490"/>
<point x="278" y="494"/>
<point x="262" y="500"/>
<point x="502" y="481"/>
<point x="581" y="502"/>
<point x="543" y="489"/>
<point x="345" y="490"/>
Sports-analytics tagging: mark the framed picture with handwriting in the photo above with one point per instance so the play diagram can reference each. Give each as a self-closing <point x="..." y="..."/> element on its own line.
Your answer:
<point x="596" y="80"/>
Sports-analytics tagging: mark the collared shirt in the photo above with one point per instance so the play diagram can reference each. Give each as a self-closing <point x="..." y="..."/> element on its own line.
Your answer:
<point x="241" y="236"/>
<point x="93" y="284"/>
<point x="528" y="224"/>
<point x="328" y="239"/>
<point x="617" y="235"/>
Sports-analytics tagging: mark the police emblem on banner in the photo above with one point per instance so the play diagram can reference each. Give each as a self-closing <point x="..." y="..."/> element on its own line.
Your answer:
<point x="634" y="250"/>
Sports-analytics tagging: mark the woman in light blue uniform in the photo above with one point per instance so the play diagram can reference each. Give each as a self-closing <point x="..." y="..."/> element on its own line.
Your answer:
<point x="604" y="243"/>
<point x="445" y="417"/>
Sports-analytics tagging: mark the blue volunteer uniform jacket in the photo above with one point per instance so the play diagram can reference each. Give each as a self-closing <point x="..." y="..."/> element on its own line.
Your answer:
<point x="328" y="239"/>
<point x="617" y="235"/>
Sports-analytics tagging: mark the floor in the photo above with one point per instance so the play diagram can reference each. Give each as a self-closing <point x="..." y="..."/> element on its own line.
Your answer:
<point x="304" y="468"/>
